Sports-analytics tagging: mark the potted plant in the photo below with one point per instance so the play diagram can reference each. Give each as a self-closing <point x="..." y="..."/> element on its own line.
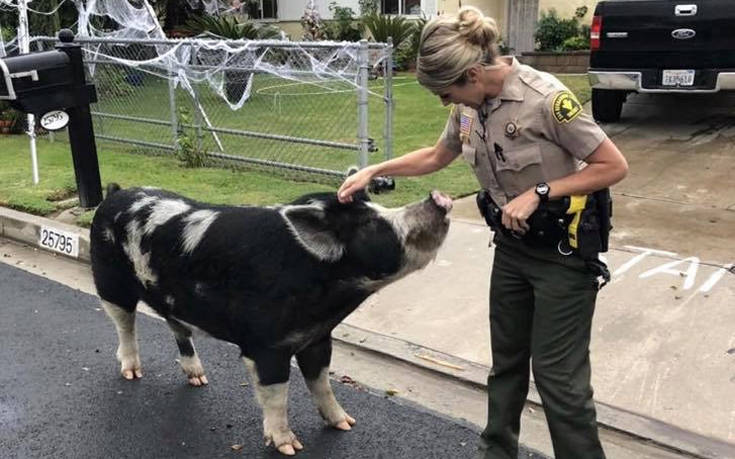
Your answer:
<point x="5" y="117"/>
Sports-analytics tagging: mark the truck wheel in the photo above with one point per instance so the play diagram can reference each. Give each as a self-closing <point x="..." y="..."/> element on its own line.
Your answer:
<point x="607" y="104"/>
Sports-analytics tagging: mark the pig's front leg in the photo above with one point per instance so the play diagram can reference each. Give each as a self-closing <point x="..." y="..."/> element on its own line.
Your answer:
<point x="314" y="364"/>
<point x="273" y="400"/>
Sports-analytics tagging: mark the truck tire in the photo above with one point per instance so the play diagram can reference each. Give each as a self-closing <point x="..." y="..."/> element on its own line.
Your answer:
<point x="607" y="104"/>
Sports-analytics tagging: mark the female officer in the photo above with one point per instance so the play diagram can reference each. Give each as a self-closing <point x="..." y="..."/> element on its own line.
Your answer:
<point x="528" y="141"/>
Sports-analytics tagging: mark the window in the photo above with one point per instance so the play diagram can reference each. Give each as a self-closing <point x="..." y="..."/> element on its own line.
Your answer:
<point x="401" y="7"/>
<point x="263" y="9"/>
<point x="269" y="9"/>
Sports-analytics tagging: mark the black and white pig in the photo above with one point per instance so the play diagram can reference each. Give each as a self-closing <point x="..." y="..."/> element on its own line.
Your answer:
<point x="274" y="281"/>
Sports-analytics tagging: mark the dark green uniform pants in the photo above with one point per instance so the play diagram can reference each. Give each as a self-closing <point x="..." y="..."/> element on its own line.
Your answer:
<point x="541" y="306"/>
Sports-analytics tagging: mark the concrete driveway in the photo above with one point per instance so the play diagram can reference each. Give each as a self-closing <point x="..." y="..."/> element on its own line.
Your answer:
<point x="664" y="331"/>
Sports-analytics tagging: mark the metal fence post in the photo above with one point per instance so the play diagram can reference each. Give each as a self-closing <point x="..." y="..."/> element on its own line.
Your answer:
<point x="172" y="106"/>
<point x="198" y="118"/>
<point x="362" y="103"/>
<point x="388" y="95"/>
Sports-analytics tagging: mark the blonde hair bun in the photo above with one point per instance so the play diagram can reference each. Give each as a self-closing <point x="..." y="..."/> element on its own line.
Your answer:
<point x="452" y="44"/>
<point x="476" y="28"/>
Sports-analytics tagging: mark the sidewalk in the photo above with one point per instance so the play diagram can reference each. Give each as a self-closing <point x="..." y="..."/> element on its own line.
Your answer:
<point x="662" y="343"/>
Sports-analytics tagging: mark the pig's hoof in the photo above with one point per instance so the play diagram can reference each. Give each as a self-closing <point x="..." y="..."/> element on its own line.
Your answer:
<point x="131" y="372"/>
<point x="193" y="370"/>
<point x="130" y="367"/>
<point x="336" y="417"/>
<point x="345" y="424"/>
<point x="198" y="380"/>
<point x="285" y="442"/>
<point x="129" y="363"/>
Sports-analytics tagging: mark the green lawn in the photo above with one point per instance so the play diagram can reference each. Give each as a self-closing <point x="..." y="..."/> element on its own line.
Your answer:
<point x="419" y="119"/>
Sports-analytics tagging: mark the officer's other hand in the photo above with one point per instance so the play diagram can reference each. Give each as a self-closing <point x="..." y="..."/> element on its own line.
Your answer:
<point x="355" y="182"/>
<point x="517" y="211"/>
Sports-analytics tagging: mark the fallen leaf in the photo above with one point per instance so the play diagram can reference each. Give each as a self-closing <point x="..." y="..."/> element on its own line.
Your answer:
<point x="391" y="392"/>
<point x="237" y="447"/>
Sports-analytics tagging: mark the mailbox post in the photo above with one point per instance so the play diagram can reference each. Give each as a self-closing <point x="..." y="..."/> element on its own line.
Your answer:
<point x="53" y="83"/>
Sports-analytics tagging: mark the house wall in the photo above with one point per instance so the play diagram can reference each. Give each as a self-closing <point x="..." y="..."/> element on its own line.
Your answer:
<point x="292" y="10"/>
<point x="493" y="8"/>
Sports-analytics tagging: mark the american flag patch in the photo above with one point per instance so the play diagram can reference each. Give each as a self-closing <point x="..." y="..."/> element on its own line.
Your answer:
<point x="465" y="124"/>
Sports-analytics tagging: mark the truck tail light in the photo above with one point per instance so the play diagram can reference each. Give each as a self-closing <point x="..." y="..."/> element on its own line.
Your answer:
<point x="595" y="32"/>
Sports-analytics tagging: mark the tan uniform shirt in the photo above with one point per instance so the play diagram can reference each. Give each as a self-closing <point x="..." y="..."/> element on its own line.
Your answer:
<point x="535" y="131"/>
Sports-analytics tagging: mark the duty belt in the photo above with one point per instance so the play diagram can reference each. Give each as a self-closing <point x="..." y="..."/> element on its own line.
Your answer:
<point x="577" y="225"/>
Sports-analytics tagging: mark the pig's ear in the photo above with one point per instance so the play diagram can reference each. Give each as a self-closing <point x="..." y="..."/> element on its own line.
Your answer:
<point x="310" y="226"/>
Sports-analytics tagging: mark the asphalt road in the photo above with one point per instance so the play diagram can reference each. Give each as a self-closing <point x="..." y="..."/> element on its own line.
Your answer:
<point x="61" y="394"/>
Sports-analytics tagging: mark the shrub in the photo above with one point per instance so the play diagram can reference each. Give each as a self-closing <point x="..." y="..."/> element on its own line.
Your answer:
<point x="368" y="7"/>
<point x="556" y="34"/>
<point x="406" y="55"/>
<point x="188" y="152"/>
<point x="343" y="26"/>
<point x="576" y="43"/>
<point x="552" y="31"/>
<point x="382" y="26"/>
<point x="6" y="34"/>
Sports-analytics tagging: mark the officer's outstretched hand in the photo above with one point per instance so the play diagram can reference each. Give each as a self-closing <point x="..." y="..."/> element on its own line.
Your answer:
<point x="354" y="183"/>
<point x="518" y="210"/>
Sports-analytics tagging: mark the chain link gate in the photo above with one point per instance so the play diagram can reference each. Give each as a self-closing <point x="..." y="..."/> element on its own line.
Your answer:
<point x="303" y="110"/>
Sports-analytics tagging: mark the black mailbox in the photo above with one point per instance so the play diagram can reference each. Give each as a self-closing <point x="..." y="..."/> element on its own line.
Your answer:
<point x="41" y="82"/>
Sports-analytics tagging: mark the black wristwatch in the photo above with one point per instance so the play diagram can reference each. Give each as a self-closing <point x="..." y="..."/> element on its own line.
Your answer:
<point x="542" y="190"/>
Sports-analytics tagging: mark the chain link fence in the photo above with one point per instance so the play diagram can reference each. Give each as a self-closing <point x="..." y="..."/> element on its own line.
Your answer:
<point x="305" y="110"/>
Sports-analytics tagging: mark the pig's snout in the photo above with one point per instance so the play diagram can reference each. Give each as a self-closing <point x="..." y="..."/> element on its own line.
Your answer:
<point x="441" y="200"/>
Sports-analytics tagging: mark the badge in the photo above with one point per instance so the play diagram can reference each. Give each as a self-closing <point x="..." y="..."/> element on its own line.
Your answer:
<point x="512" y="130"/>
<point x="465" y="125"/>
<point x="565" y="107"/>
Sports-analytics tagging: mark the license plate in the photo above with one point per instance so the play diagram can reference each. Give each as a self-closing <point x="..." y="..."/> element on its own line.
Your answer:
<point x="678" y="78"/>
<point x="59" y="241"/>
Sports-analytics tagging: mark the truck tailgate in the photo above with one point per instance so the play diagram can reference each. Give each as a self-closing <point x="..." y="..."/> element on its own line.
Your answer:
<point x="643" y="34"/>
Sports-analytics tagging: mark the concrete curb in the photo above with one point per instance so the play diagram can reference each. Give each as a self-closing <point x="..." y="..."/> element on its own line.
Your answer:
<point x="26" y="228"/>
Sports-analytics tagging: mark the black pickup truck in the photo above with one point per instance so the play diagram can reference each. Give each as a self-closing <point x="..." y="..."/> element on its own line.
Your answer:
<point x="659" y="46"/>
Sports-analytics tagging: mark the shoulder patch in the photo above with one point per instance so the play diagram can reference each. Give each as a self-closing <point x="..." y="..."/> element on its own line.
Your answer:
<point x="565" y="107"/>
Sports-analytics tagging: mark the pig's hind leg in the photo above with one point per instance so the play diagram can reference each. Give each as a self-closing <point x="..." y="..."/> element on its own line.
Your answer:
<point x="314" y="364"/>
<point x="188" y="358"/>
<point x="127" y="350"/>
